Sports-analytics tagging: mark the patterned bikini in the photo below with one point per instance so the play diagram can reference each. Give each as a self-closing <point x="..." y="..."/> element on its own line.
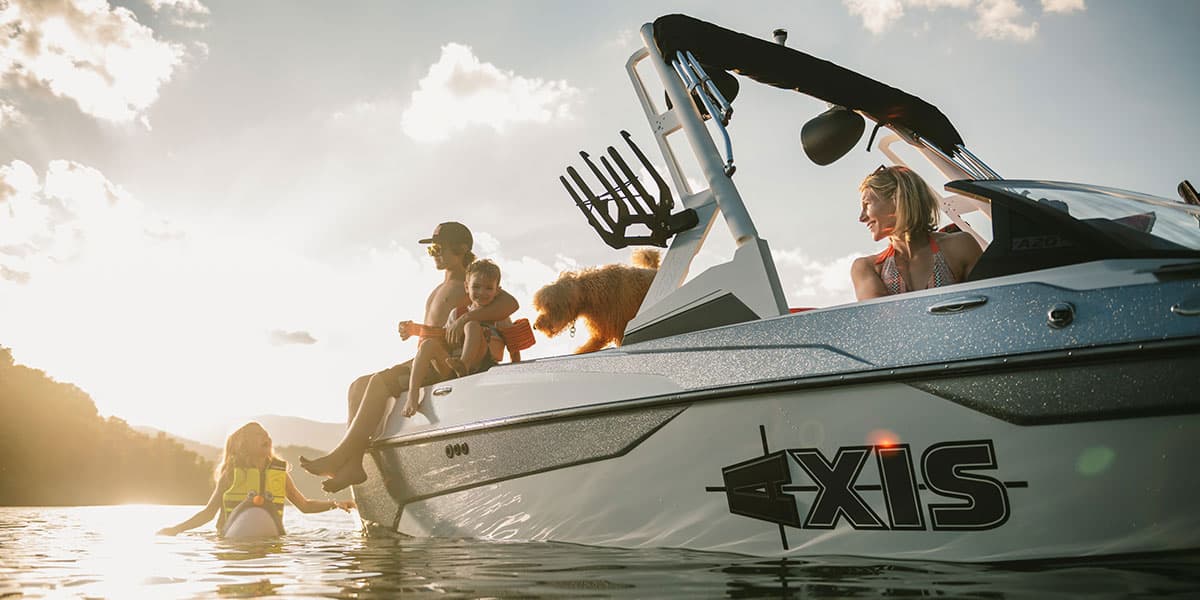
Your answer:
<point x="942" y="273"/>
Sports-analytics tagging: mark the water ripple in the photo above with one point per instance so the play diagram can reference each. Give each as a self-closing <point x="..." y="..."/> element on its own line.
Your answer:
<point x="112" y="552"/>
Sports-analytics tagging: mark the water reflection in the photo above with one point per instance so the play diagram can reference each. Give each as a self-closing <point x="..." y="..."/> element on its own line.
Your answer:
<point x="111" y="552"/>
<point x="256" y="589"/>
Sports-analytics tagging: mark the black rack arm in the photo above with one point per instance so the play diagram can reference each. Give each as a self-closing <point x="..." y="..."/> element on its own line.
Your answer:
<point x="625" y="196"/>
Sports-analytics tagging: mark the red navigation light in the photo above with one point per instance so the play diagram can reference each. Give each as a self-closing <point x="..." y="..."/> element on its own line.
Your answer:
<point x="883" y="438"/>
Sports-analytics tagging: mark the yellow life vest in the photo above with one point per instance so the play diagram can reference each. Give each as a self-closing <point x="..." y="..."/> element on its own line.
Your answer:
<point x="249" y="484"/>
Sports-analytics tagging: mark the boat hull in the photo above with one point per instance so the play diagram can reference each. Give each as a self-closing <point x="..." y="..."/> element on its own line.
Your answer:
<point x="988" y="490"/>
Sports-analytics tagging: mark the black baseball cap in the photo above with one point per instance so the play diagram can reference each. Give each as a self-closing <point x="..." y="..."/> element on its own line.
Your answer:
<point x="450" y="232"/>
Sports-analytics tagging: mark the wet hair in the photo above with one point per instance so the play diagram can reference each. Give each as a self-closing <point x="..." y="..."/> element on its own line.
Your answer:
<point x="237" y="446"/>
<point x="484" y="268"/>
<point x="916" y="204"/>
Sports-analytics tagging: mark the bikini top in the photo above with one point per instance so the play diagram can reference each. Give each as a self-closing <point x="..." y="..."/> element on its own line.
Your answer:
<point x="942" y="273"/>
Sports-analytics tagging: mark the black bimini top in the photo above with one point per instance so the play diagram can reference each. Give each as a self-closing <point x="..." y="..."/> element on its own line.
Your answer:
<point x="782" y="67"/>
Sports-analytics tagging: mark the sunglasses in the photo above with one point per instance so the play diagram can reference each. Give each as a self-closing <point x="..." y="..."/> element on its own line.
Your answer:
<point x="441" y="249"/>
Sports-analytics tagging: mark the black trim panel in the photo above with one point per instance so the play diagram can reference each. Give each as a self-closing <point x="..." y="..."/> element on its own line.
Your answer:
<point x="1091" y="391"/>
<point x="722" y="310"/>
<point x="472" y="458"/>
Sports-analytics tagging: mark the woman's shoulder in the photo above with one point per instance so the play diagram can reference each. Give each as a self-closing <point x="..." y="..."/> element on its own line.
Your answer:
<point x="957" y="242"/>
<point x="863" y="264"/>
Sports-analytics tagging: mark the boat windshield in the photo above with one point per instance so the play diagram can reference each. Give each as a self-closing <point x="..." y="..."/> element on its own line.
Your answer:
<point x="1141" y="219"/>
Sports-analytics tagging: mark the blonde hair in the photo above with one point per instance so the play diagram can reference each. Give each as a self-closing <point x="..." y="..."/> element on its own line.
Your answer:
<point x="236" y="446"/>
<point x="916" y="204"/>
<point x="486" y="268"/>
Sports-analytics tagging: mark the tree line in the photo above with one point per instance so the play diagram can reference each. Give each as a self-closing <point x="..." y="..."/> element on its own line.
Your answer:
<point x="56" y="450"/>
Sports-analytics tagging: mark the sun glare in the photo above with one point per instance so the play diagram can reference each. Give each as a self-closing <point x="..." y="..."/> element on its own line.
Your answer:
<point x="883" y="438"/>
<point x="125" y="552"/>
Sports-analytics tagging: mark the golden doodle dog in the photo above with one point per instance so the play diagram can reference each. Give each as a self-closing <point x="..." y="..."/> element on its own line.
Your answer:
<point x="605" y="297"/>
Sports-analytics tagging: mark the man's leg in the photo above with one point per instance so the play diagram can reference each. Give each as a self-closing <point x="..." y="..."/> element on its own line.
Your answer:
<point x="368" y="398"/>
<point x="358" y="435"/>
<point x="354" y="396"/>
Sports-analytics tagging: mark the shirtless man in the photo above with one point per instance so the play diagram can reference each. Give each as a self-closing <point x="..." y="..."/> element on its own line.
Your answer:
<point x="450" y="247"/>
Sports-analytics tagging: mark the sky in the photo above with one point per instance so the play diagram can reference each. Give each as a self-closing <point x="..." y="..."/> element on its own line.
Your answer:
<point x="209" y="209"/>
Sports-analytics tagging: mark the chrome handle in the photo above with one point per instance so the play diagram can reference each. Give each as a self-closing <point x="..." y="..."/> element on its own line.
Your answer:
<point x="442" y="390"/>
<point x="957" y="305"/>
<point x="1187" y="308"/>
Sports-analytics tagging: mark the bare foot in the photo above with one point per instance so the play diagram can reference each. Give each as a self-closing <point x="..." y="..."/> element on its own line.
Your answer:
<point x="457" y="364"/>
<point x="325" y="466"/>
<point x="350" y="474"/>
<point x="410" y="405"/>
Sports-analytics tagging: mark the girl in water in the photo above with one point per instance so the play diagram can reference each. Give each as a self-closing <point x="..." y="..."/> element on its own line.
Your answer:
<point x="251" y="484"/>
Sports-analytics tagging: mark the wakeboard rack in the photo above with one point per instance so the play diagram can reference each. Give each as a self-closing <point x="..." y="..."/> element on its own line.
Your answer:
<point x="624" y="195"/>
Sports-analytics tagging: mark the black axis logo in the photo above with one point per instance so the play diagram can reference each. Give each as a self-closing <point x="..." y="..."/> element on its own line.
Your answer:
<point x="760" y="488"/>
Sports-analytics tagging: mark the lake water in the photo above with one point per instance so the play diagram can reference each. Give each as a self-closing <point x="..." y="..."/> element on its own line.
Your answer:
<point x="112" y="552"/>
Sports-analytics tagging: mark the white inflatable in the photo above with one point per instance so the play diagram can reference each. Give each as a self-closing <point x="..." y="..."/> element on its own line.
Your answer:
<point x="249" y="522"/>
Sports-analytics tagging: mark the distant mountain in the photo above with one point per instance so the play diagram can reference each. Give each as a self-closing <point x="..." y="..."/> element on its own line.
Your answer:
<point x="295" y="431"/>
<point x="284" y="430"/>
<point x="211" y="453"/>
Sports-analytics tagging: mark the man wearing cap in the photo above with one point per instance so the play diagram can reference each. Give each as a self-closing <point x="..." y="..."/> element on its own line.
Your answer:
<point x="450" y="246"/>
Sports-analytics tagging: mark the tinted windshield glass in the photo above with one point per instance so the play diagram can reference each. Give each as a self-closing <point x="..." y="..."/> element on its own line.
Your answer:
<point x="1146" y="221"/>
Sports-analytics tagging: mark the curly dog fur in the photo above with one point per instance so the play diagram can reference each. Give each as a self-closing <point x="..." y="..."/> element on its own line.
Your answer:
<point x="605" y="297"/>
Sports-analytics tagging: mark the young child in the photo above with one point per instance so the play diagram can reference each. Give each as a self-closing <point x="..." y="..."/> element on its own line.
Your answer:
<point x="483" y="346"/>
<point x="252" y="482"/>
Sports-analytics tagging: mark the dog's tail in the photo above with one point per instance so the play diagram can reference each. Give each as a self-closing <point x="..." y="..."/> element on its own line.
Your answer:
<point x="646" y="258"/>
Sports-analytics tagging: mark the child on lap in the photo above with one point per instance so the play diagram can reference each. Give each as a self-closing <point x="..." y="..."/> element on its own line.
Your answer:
<point x="482" y="345"/>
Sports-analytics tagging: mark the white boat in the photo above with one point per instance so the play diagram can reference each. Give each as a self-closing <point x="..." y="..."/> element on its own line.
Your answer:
<point x="1046" y="407"/>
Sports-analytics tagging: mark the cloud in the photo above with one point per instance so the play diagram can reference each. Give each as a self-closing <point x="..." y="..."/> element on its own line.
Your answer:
<point x="52" y="221"/>
<point x="809" y="282"/>
<point x="994" y="19"/>
<point x="877" y="15"/>
<point x="14" y="276"/>
<point x="1062" y="6"/>
<point x="88" y="52"/>
<point x="624" y="39"/>
<point x="279" y="337"/>
<point x="460" y="91"/>
<point x="998" y="19"/>
<point x="936" y="4"/>
<point x="10" y="115"/>
<point x="182" y="12"/>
